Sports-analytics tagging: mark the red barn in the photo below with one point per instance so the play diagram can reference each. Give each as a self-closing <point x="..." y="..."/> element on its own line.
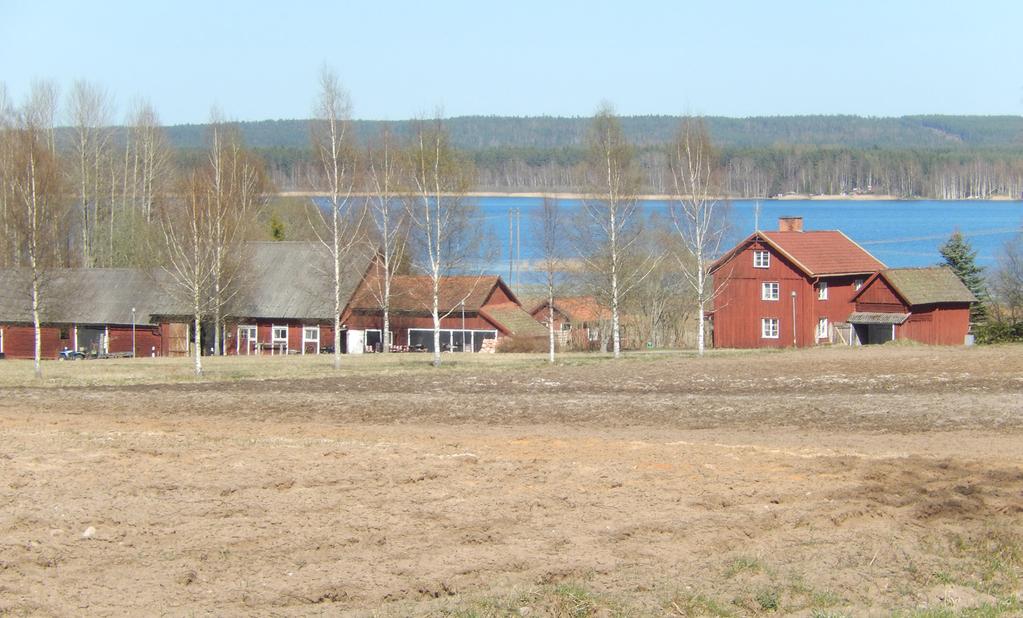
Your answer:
<point x="473" y="309"/>
<point x="929" y="305"/>
<point x="788" y="288"/>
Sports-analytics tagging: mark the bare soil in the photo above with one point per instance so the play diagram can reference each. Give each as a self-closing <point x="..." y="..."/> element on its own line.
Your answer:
<point x="822" y="482"/>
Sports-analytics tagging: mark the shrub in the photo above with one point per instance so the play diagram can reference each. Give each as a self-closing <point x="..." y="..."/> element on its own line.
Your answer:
<point x="998" y="332"/>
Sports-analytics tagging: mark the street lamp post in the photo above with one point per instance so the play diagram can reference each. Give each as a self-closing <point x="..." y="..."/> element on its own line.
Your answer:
<point x="133" y="332"/>
<point x="794" y="344"/>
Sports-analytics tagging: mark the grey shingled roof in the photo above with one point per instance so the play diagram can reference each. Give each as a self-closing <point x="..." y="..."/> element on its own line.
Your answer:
<point x="515" y="319"/>
<point x="287" y="280"/>
<point x="925" y="286"/>
<point x="294" y="280"/>
<point x="872" y="317"/>
<point x="89" y="296"/>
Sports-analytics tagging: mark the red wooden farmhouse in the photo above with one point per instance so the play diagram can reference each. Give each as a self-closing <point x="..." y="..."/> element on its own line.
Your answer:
<point x="802" y="288"/>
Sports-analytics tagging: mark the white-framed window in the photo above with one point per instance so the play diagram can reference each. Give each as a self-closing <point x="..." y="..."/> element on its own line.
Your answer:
<point x="450" y="339"/>
<point x="761" y="259"/>
<point x="769" y="328"/>
<point x="770" y="290"/>
<point x="857" y="284"/>
<point x="375" y="339"/>
<point x="279" y="338"/>
<point x="247" y="339"/>
<point x="822" y="329"/>
<point x="311" y="335"/>
<point x="1" y="340"/>
<point x="566" y="327"/>
<point x="822" y="290"/>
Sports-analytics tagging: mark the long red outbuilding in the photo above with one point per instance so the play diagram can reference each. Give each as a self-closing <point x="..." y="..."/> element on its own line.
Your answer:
<point x="282" y="303"/>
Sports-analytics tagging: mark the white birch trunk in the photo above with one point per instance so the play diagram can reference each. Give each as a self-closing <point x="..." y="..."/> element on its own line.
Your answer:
<point x="33" y="257"/>
<point x="198" y="338"/>
<point x="337" y="291"/>
<point x="550" y="326"/>
<point x="385" y="345"/>
<point x="701" y="294"/>
<point x="435" y="311"/>
<point x="36" y="326"/>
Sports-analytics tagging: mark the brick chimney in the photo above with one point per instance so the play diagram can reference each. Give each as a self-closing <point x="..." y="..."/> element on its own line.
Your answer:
<point x="790" y="224"/>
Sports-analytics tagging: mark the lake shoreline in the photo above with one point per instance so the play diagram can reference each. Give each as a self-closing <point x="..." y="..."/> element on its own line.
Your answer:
<point x="663" y="197"/>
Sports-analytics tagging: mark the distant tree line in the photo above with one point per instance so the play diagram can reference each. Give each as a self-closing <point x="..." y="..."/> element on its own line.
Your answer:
<point x="941" y="157"/>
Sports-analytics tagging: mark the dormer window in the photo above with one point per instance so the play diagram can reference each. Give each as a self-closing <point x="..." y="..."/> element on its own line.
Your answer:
<point x="761" y="259"/>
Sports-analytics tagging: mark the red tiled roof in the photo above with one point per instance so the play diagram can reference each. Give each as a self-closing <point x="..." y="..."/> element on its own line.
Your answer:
<point x="575" y="308"/>
<point x="824" y="252"/>
<point x="414" y="293"/>
<point x="582" y="308"/>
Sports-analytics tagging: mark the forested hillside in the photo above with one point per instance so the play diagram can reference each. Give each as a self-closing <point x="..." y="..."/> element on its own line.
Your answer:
<point x="947" y="157"/>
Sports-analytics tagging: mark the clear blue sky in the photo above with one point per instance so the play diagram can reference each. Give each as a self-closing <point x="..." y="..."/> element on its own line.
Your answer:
<point x="259" y="60"/>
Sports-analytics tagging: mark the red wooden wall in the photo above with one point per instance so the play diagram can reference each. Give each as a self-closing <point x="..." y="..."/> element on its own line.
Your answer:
<point x="878" y="296"/>
<point x="19" y="341"/>
<point x="937" y="324"/>
<point x="264" y="334"/>
<point x="147" y="340"/>
<point x="739" y="308"/>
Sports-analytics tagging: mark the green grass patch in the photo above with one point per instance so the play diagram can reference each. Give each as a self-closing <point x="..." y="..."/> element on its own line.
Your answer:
<point x="744" y="564"/>
<point x="696" y="605"/>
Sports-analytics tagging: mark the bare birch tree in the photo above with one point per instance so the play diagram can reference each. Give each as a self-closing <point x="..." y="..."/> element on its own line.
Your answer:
<point x="146" y="174"/>
<point x="333" y="142"/>
<point x="698" y="215"/>
<point x="442" y="222"/>
<point x="549" y="238"/>
<point x="7" y="120"/>
<point x="1006" y="281"/>
<point x="390" y="222"/>
<point x="36" y="212"/>
<point x="89" y="112"/>
<point x="41" y="109"/>
<point x="186" y="252"/>
<point x="612" y="216"/>
<point x="238" y="188"/>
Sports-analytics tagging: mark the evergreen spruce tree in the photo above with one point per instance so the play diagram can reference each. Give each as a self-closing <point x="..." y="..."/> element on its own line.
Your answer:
<point x="962" y="259"/>
<point x="276" y="227"/>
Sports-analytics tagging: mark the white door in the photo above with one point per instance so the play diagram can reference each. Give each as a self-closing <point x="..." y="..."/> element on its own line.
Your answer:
<point x="310" y="340"/>
<point x="246" y="342"/>
<point x="356" y="341"/>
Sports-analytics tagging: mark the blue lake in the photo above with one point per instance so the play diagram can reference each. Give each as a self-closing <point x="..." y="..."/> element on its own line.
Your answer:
<point x="899" y="233"/>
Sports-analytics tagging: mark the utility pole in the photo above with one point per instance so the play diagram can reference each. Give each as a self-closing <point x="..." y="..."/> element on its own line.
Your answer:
<point x="511" y="251"/>
<point x="518" y="248"/>
<point x="133" y="332"/>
